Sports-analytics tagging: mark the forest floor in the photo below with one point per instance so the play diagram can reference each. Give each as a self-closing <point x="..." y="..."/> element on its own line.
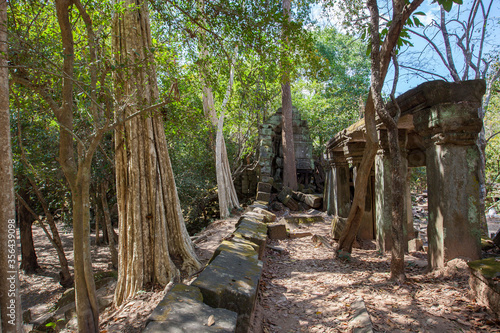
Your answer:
<point x="303" y="288"/>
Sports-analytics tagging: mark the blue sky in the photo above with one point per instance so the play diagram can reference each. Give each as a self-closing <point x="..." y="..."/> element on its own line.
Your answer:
<point x="423" y="56"/>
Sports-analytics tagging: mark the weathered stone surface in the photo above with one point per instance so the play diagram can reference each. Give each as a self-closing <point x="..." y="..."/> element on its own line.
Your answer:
<point x="182" y="310"/>
<point x="256" y="216"/>
<point x="415" y="244"/>
<point x="338" y="224"/>
<point x="295" y="222"/>
<point x="285" y="196"/>
<point x="253" y="231"/>
<point x="484" y="282"/>
<point x="231" y="282"/>
<point x="236" y="247"/>
<point x="360" y="322"/>
<point x="269" y="216"/>
<point x="313" y="200"/>
<point x="264" y="187"/>
<point x="276" y="231"/>
<point x="300" y="234"/>
<point x="263" y="196"/>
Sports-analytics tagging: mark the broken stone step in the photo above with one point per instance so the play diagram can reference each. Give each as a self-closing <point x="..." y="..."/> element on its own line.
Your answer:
<point x="182" y="311"/>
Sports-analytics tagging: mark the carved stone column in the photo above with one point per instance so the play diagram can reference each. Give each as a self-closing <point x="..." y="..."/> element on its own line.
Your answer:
<point x="340" y="184"/>
<point x="383" y="191"/>
<point x="450" y="132"/>
<point x="353" y="152"/>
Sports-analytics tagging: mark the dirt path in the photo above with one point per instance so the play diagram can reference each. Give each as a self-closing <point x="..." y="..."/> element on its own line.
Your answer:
<point x="304" y="289"/>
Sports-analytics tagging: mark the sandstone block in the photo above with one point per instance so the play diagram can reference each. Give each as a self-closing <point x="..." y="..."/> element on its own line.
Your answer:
<point x="415" y="244"/>
<point x="269" y="216"/>
<point x="231" y="282"/>
<point x="338" y="224"/>
<point x="484" y="282"/>
<point x="263" y="196"/>
<point x="182" y="310"/>
<point x="276" y="231"/>
<point x="264" y="187"/>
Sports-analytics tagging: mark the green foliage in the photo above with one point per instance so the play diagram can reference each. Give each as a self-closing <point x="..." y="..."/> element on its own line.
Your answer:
<point x="330" y="102"/>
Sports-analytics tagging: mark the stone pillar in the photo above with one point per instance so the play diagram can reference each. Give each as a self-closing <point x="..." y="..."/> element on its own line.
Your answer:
<point x="340" y="184"/>
<point x="353" y="151"/>
<point x="383" y="191"/>
<point x="327" y="192"/>
<point x="450" y="131"/>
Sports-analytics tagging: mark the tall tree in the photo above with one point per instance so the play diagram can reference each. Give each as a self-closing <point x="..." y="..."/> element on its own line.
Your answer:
<point x="289" y="167"/>
<point x="151" y="225"/>
<point x="10" y="303"/>
<point x="225" y="185"/>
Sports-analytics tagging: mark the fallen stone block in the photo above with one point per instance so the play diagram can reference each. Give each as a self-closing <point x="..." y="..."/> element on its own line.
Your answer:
<point x="276" y="231"/>
<point x="300" y="221"/>
<point x="360" y="321"/>
<point x="182" y="310"/>
<point x="256" y="216"/>
<point x="231" y="282"/>
<point x="253" y="231"/>
<point x="415" y="244"/>
<point x="263" y="196"/>
<point x="264" y="187"/>
<point x="269" y="216"/>
<point x="255" y="205"/>
<point x="299" y="234"/>
<point x="484" y="283"/>
<point x="313" y="200"/>
<point x="236" y="247"/>
<point x="338" y="224"/>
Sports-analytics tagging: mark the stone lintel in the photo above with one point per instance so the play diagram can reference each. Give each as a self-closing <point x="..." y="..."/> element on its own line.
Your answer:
<point x="454" y="123"/>
<point x="353" y="152"/>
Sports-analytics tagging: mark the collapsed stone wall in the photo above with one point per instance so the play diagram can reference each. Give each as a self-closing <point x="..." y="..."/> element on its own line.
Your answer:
<point x="269" y="168"/>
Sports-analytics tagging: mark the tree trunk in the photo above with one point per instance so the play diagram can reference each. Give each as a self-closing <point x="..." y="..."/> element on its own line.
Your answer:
<point x="10" y="303"/>
<point x="289" y="167"/>
<point x="225" y="185"/>
<point x="77" y="173"/>
<point x="86" y="299"/>
<point x="98" y="218"/>
<point x="108" y="225"/>
<point x="29" y="263"/>
<point x="151" y="225"/>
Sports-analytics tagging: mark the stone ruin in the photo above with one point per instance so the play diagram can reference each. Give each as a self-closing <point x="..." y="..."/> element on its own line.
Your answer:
<point x="269" y="168"/>
<point x="438" y="128"/>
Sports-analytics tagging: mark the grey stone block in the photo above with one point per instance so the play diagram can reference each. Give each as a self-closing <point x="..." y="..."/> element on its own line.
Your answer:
<point x="264" y="187"/>
<point x="231" y="282"/>
<point x="182" y="311"/>
<point x="263" y="196"/>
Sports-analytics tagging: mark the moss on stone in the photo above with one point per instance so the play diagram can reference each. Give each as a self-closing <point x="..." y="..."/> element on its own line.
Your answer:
<point x="489" y="268"/>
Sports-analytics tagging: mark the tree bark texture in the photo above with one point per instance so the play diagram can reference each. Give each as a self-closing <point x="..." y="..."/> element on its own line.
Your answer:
<point x="289" y="166"/>
<point x="108" y="225"/>
<point x="77" y="173"/>
<point x="151" y="225"/>
<point x="29" y="261"/>
<point x="10" y="302"/>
